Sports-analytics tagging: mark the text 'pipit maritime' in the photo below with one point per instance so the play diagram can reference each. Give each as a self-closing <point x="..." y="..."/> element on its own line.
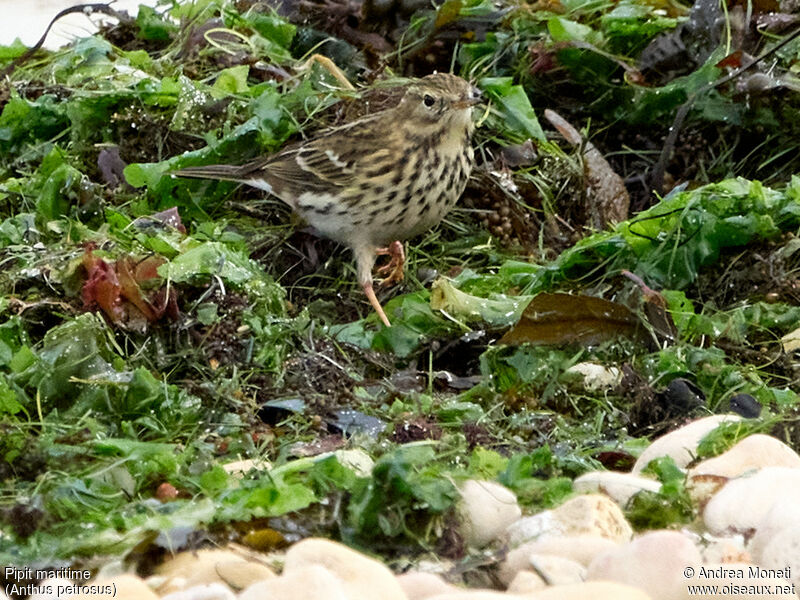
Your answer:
<point x="376" y="181"/>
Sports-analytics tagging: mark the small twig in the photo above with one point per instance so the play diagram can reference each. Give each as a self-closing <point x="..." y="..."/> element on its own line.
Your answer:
<point x="104" y="8"/>
<point x="330" y="66"/>
<point x="657" y="177"/>
<point x="21" y="306"/>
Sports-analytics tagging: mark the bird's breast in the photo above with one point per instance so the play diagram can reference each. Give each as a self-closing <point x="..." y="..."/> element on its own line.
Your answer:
<point x="394" y="199"/>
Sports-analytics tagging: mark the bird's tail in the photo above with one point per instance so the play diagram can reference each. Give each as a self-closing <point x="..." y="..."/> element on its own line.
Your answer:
<point x="222" y="172"/>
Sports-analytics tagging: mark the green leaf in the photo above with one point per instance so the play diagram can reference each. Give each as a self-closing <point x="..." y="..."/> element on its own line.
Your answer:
<point x="231" y="81"/>
<point x="207" y="313"/>
<point x="60" y="191"/>
<point x="669" y="506"/>
<point x="514" y="103"/>
<point x="215" y="481"/>
<point x="272" y="27"/>
<point x="565" y="30"/>
<point x="153" y="26"/>
<point x="12" y="51"/>
<point x="211" y="258"/>
<point x="145" y="174"/>
<point x="8" y="399"/>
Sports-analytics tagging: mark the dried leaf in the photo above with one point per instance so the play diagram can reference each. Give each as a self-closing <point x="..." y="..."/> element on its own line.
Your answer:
<point x="447" y="13"/>
<point x="264" y="539"/>
<point x="607" y="198"/>
<point x="115" y="289"/>
<point x="569" y="319"/>
<point x="733" y="60"/>
<point x="655" y="309"/>
<point x="102" y="287"/>
<point x="791" y="341"/>
<point x="111" y="166"/>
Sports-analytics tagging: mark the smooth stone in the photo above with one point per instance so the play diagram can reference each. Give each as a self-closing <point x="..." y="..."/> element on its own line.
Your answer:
<point x="753" y="452"/>
<point x="591" y="590"/>
<point x="724" y="549"/>
<point x="356" y="459"/>
<point x="361" y="577"/>
<point x="620" y="487"/>
<point x="782" y="552"/>
<point x="653" y="562"/>
<point x="310" y="582"/>
<point x="596" y="377"/>
<point x="579" y="548"/>
<point x="240" y="574"/>
<point x="681" y="444"/>
<point x="590" y="514"/>
<point x="742" y="503"/>
<point x="52" y="585"/>
<point x="240" y="468"/>
<point x="776" y="543"/>
<point x="218" y="565"/>
<point x="480" y="595"/>
<point x="750" y="580"/>
<point x="780" y="524"/>
<point x="525" y="582"/>
<point x="212" y="591"/>
<point x="486" y="510"/>
<point x="701" y="488"/>
<point x="126" y="586"/>
<point x="557" y="570"/>
<point x="418" y="585"/>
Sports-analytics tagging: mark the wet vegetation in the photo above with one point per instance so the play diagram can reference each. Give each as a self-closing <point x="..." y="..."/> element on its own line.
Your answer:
<point x="154" y="329"/>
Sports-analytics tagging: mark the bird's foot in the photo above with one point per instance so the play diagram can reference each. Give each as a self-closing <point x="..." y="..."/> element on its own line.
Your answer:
<point x="373" y="300"/>
<point x="396" y="263"/>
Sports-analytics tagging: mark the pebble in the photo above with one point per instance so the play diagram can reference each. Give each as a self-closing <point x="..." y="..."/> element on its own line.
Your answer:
<point x="681" y="443"/>
<point x="590" y="590"/>
<point x="418" y="585"/>
<point x="751" y="453"/>
<point x="486" y="510"/>
<point x="743" y="502"/>
<point x="212" y="591"/>
<point x="653" y="562"/>
<point x="361" y="577"/>
<point x="310" y="582"/>
<point x="202" y="567"/>
<point x="50" y="588"/>
<point x="782" y="552"/>
<point x="776" y="542"/>
<point x="480" y="595"/>
<point x="240" y="468"/>
<point x="620" y="487"/>
<point x="724" y="549"/>
<point x="596" y="377"/>
<point x="557" y="570"/>
<point x="356" y="459"/>
<point x="591" y="514"/>
<point x="525" y="582"/>
<point x="578" y="548"/>
<point x="125" y="587"/>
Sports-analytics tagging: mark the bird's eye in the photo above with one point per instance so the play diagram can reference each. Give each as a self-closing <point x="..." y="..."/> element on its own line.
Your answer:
<point x="428" y="100"/>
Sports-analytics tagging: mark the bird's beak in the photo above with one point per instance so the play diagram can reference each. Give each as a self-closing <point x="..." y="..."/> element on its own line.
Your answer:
<point x="474" y="97"/>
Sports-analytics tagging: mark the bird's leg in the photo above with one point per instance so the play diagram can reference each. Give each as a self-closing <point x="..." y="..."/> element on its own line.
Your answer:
<point x="370" y="293"/>
<point x="365" y="260"/>
<point x="396" y="263"/>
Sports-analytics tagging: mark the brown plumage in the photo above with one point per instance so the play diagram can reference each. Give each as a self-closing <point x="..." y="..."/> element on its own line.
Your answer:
<point x="376" y="181"/>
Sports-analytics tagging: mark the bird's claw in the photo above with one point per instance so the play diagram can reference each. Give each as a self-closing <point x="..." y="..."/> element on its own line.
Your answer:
<point x="395" y="266"/>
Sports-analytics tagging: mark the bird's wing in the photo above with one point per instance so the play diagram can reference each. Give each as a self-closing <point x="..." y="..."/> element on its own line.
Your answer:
<point x="318" y="163"/>
<point x="329" y="162"/>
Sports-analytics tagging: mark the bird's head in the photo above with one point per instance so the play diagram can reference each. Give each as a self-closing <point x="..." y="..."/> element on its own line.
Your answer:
<point x="440" y="98"/>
